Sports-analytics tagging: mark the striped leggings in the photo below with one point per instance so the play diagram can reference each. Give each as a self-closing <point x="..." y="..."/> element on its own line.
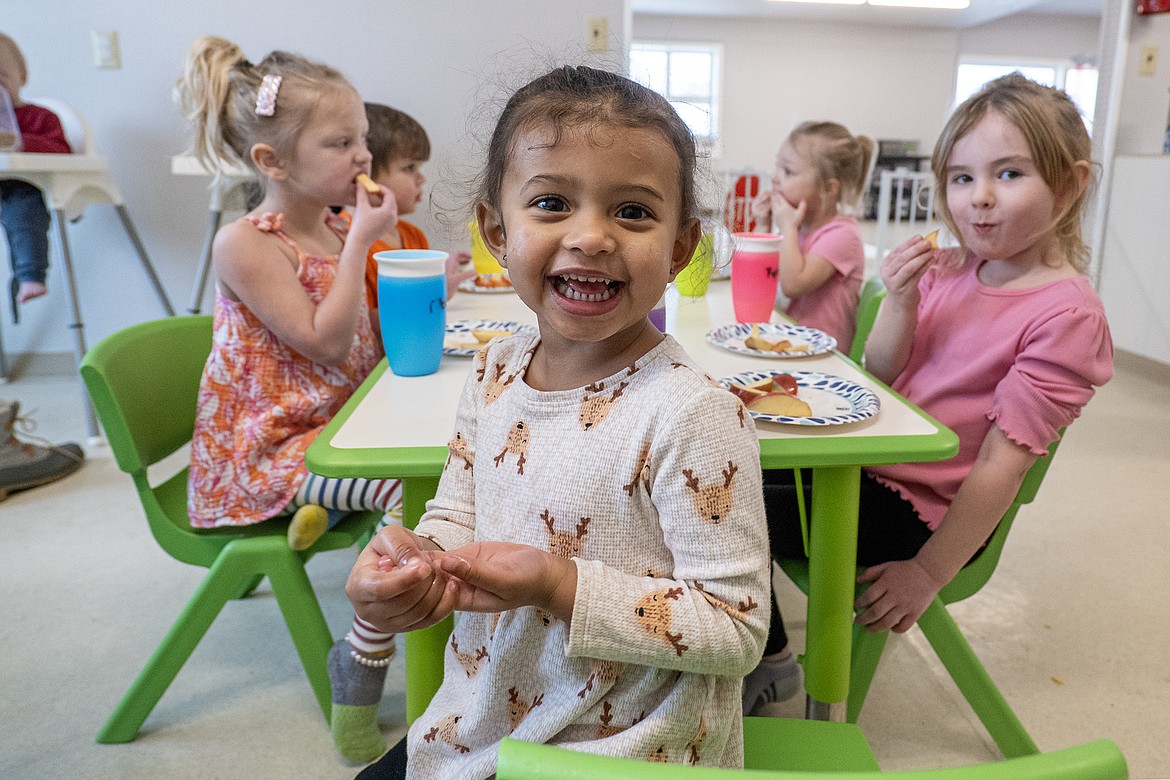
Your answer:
<point x="339" y="496"/>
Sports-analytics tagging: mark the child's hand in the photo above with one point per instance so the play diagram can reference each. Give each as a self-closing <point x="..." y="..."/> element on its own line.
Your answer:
<point x="375" y="214"/>
<point x="904" y="266"/>
<point x="787" y="216"/>
<point x="494" y="576"/>
<point x="395" y="586"/>
<point x="456" y="263"/>
<point x="900" y="593"/>
<point x="762" y="210"/>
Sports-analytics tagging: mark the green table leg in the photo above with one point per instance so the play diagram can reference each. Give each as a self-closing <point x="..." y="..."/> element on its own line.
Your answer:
<point x="832" y="567"/>
<point x="424" y="648"/>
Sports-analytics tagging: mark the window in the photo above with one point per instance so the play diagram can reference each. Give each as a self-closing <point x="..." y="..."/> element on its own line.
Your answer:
<point x="686" y="74"/>
<point x="1079" y="81"/>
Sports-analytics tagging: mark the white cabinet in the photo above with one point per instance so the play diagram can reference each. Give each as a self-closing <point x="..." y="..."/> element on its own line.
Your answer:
<point x="1135" y="264"/>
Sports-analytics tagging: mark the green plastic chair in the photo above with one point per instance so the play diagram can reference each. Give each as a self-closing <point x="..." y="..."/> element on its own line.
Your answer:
<point x="944" y="635"/>
<point x="873" y="292"/>
<point x="1099" y="760"/>
<point x="144" y="381"/>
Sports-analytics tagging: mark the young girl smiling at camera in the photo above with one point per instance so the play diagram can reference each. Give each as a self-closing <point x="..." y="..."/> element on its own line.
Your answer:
<point x="599" y="522"/>
<point x="1001" y="339"/>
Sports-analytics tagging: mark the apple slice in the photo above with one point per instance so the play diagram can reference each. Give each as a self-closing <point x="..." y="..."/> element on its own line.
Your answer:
<point x="932" y="238"/>
<point x="784" y="383"/>
<point x="747" y="394"/>
<point x="781" y="405"/>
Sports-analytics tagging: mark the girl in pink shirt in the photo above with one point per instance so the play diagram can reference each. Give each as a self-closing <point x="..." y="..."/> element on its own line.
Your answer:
<point x="821" y="172"/>
<point x="1001" y="339"/>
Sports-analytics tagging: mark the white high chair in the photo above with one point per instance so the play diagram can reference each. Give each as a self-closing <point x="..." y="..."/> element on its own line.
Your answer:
<point x="905" y="205"/>
<point x="70" y="183"/>
<point x="227" y="194"/>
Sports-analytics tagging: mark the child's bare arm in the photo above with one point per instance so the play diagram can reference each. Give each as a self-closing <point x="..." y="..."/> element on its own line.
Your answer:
<point x="902" y="590"/>
<point x="394" y="585"/>
<point x="260" y="271"/>
<point x="888" y="347"/>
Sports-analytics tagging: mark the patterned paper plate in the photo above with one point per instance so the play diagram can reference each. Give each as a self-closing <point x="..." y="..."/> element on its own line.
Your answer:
<point x="804" y="342"/>
<point x="473" y="285"/>
<point x="833" y="400"/>
<point x="461" y="340"/>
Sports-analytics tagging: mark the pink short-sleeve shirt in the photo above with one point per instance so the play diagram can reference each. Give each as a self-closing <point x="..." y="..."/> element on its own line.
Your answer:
<point x="833" y="306"/>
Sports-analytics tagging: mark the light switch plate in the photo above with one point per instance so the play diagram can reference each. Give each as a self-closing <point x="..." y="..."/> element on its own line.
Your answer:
<point x="598" y="34"/>
<point x="1148" y="65"/>
<point x="105" y="49"/>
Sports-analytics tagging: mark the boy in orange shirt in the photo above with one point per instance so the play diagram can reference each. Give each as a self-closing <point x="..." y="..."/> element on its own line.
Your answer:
<point x="399" y="146"/>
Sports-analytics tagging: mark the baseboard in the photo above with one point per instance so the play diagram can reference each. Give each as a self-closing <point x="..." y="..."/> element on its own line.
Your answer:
<point x="1142" y="365"/>
<point x="32" y="364"/>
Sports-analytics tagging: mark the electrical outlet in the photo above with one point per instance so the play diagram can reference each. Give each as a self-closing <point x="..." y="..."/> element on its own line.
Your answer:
<point x="105" y="49"/>
<point x="1148" y="65"/>
<point x="598" y="34"/>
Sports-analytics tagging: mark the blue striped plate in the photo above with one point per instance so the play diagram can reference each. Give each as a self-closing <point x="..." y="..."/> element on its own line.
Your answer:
<point x="833" y="400"/>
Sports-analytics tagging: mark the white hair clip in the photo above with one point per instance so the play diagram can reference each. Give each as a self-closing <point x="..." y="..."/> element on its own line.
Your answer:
<point x="266" y="97"/>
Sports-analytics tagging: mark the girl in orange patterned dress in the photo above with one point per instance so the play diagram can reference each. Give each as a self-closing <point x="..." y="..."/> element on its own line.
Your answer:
<point x="293" y="336"/>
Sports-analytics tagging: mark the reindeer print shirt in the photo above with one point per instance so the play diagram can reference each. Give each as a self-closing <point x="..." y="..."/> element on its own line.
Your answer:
<point x="649" y="480"/>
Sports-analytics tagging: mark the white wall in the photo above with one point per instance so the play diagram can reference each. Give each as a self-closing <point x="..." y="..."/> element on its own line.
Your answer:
<point x="886" y="82"/>
<point x="1145" y="100"/>
<point x="438" y="60"/>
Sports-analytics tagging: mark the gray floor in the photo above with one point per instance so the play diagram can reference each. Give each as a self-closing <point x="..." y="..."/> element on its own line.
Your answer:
<point x="1073" y="626"/>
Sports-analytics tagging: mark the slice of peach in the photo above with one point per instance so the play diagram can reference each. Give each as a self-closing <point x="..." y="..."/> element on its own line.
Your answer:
<point x="932" y="238"/>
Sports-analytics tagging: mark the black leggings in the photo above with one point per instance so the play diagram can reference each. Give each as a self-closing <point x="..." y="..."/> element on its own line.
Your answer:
<point x="888" y="529"/>
<point x="391" y="766"/>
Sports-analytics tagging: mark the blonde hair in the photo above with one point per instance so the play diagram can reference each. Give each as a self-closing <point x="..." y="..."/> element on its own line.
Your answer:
<point x="835" y="153"/>
<point x="6" y="42"/>
<point x="217" y="93"/>
<point x="1056" y="137"/>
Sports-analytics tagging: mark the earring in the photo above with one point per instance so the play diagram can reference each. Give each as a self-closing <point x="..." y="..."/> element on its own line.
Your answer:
<point x="504" y="260"/>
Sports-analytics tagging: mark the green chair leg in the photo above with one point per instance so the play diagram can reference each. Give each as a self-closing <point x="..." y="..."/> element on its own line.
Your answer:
<point x="250" y="586"/>
<point x="241" y="563"/>
<point x="302" y="614"/>
<point x="975" y="684"/>
<point x="222" y="583"/>
<point x="868" y="647"/>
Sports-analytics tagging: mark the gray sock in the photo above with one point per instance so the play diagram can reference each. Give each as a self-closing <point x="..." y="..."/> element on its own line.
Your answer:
<point x="353" y="683"/>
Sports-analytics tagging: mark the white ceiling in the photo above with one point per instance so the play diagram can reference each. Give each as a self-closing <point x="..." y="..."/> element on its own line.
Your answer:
<point x="978" y="12"/>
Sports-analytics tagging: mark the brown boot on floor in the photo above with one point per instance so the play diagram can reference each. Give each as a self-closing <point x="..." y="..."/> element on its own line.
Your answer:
<point x="26" y="465"/>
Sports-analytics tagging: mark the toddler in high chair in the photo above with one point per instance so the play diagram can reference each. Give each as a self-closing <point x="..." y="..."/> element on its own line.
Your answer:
<point x="292" y="336"/>
<point x="820" y="175"/>
<point x="22" y="206"/>
<point x="598" y="524"/>
<point x="1001" y="339"/>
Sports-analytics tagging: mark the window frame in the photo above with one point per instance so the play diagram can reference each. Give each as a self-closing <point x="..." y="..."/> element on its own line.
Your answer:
<point x="713" y="101"/>
<point x="1061" y="67"/>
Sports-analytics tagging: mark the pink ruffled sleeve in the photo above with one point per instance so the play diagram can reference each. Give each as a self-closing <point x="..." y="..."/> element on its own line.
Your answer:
<point x="1063" y="358"/>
